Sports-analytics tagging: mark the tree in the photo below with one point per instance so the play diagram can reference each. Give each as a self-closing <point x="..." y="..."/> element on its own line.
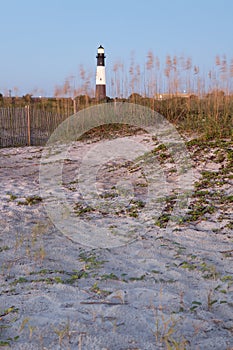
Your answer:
<point x="27" y="98"/>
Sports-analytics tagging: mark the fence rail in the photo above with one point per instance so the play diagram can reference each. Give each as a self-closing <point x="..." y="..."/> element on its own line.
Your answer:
<point x="27" y="126"/>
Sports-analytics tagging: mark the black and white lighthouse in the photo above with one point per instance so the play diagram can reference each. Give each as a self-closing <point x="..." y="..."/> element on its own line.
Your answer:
<point x="100" y="92"/>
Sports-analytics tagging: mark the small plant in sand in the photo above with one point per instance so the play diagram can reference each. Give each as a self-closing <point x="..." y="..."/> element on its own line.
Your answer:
<point x="35" y="246"/>
<point x="26" y="323"/>
<point x="30" y="200"/>
<point x="7" y="318"/>
<point x="12" y="197"/>
<point x="98" y="291"/>
<point x="4" y="248"/>
<point x="165" y="332"/>
<point x="90" y="260"/>
<point x="63" y="332"/>
<point x="210" y="300"/>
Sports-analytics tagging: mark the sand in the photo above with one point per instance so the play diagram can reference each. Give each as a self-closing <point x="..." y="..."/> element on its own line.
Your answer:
<point x="159" y="288"/>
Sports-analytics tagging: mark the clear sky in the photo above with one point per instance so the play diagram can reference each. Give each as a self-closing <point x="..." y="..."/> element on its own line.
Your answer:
<point x="44" y="41"/>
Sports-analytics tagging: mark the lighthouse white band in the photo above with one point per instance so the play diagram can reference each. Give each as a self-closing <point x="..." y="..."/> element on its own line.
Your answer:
<point x="100" y="75"/>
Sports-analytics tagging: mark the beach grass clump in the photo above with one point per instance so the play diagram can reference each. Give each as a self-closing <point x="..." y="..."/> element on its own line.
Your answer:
<point x="7" y="318"/>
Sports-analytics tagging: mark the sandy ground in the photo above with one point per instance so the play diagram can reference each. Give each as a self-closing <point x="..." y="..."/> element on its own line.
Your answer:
<point x="162" y="289"/>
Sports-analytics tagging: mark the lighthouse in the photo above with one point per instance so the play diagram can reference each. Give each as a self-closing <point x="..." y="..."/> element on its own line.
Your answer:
<point x="100" y="92"/>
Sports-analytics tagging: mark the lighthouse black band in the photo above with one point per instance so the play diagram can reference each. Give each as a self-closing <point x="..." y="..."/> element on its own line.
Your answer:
<point x="100" y="59"/>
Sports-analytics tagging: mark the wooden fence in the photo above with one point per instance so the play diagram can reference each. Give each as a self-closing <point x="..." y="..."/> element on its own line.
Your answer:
<point x="27" y="126"/>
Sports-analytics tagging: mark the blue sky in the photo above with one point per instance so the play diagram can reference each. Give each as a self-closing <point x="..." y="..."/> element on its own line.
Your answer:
<point x="44" y="41"/>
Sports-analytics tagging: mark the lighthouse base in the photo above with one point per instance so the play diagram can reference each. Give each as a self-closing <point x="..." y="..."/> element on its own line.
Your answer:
<point x="100" y="92"/>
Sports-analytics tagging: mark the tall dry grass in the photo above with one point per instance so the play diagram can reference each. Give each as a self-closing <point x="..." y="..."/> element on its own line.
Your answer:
<point x="171" y="76"/>
<point x="194" y="100"/>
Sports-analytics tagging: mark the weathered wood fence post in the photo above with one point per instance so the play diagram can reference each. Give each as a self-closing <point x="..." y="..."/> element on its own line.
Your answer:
<point x="28" y="124"/>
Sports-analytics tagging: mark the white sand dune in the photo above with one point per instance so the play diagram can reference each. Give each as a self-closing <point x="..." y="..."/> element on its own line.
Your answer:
<point x="160" y="287"/>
